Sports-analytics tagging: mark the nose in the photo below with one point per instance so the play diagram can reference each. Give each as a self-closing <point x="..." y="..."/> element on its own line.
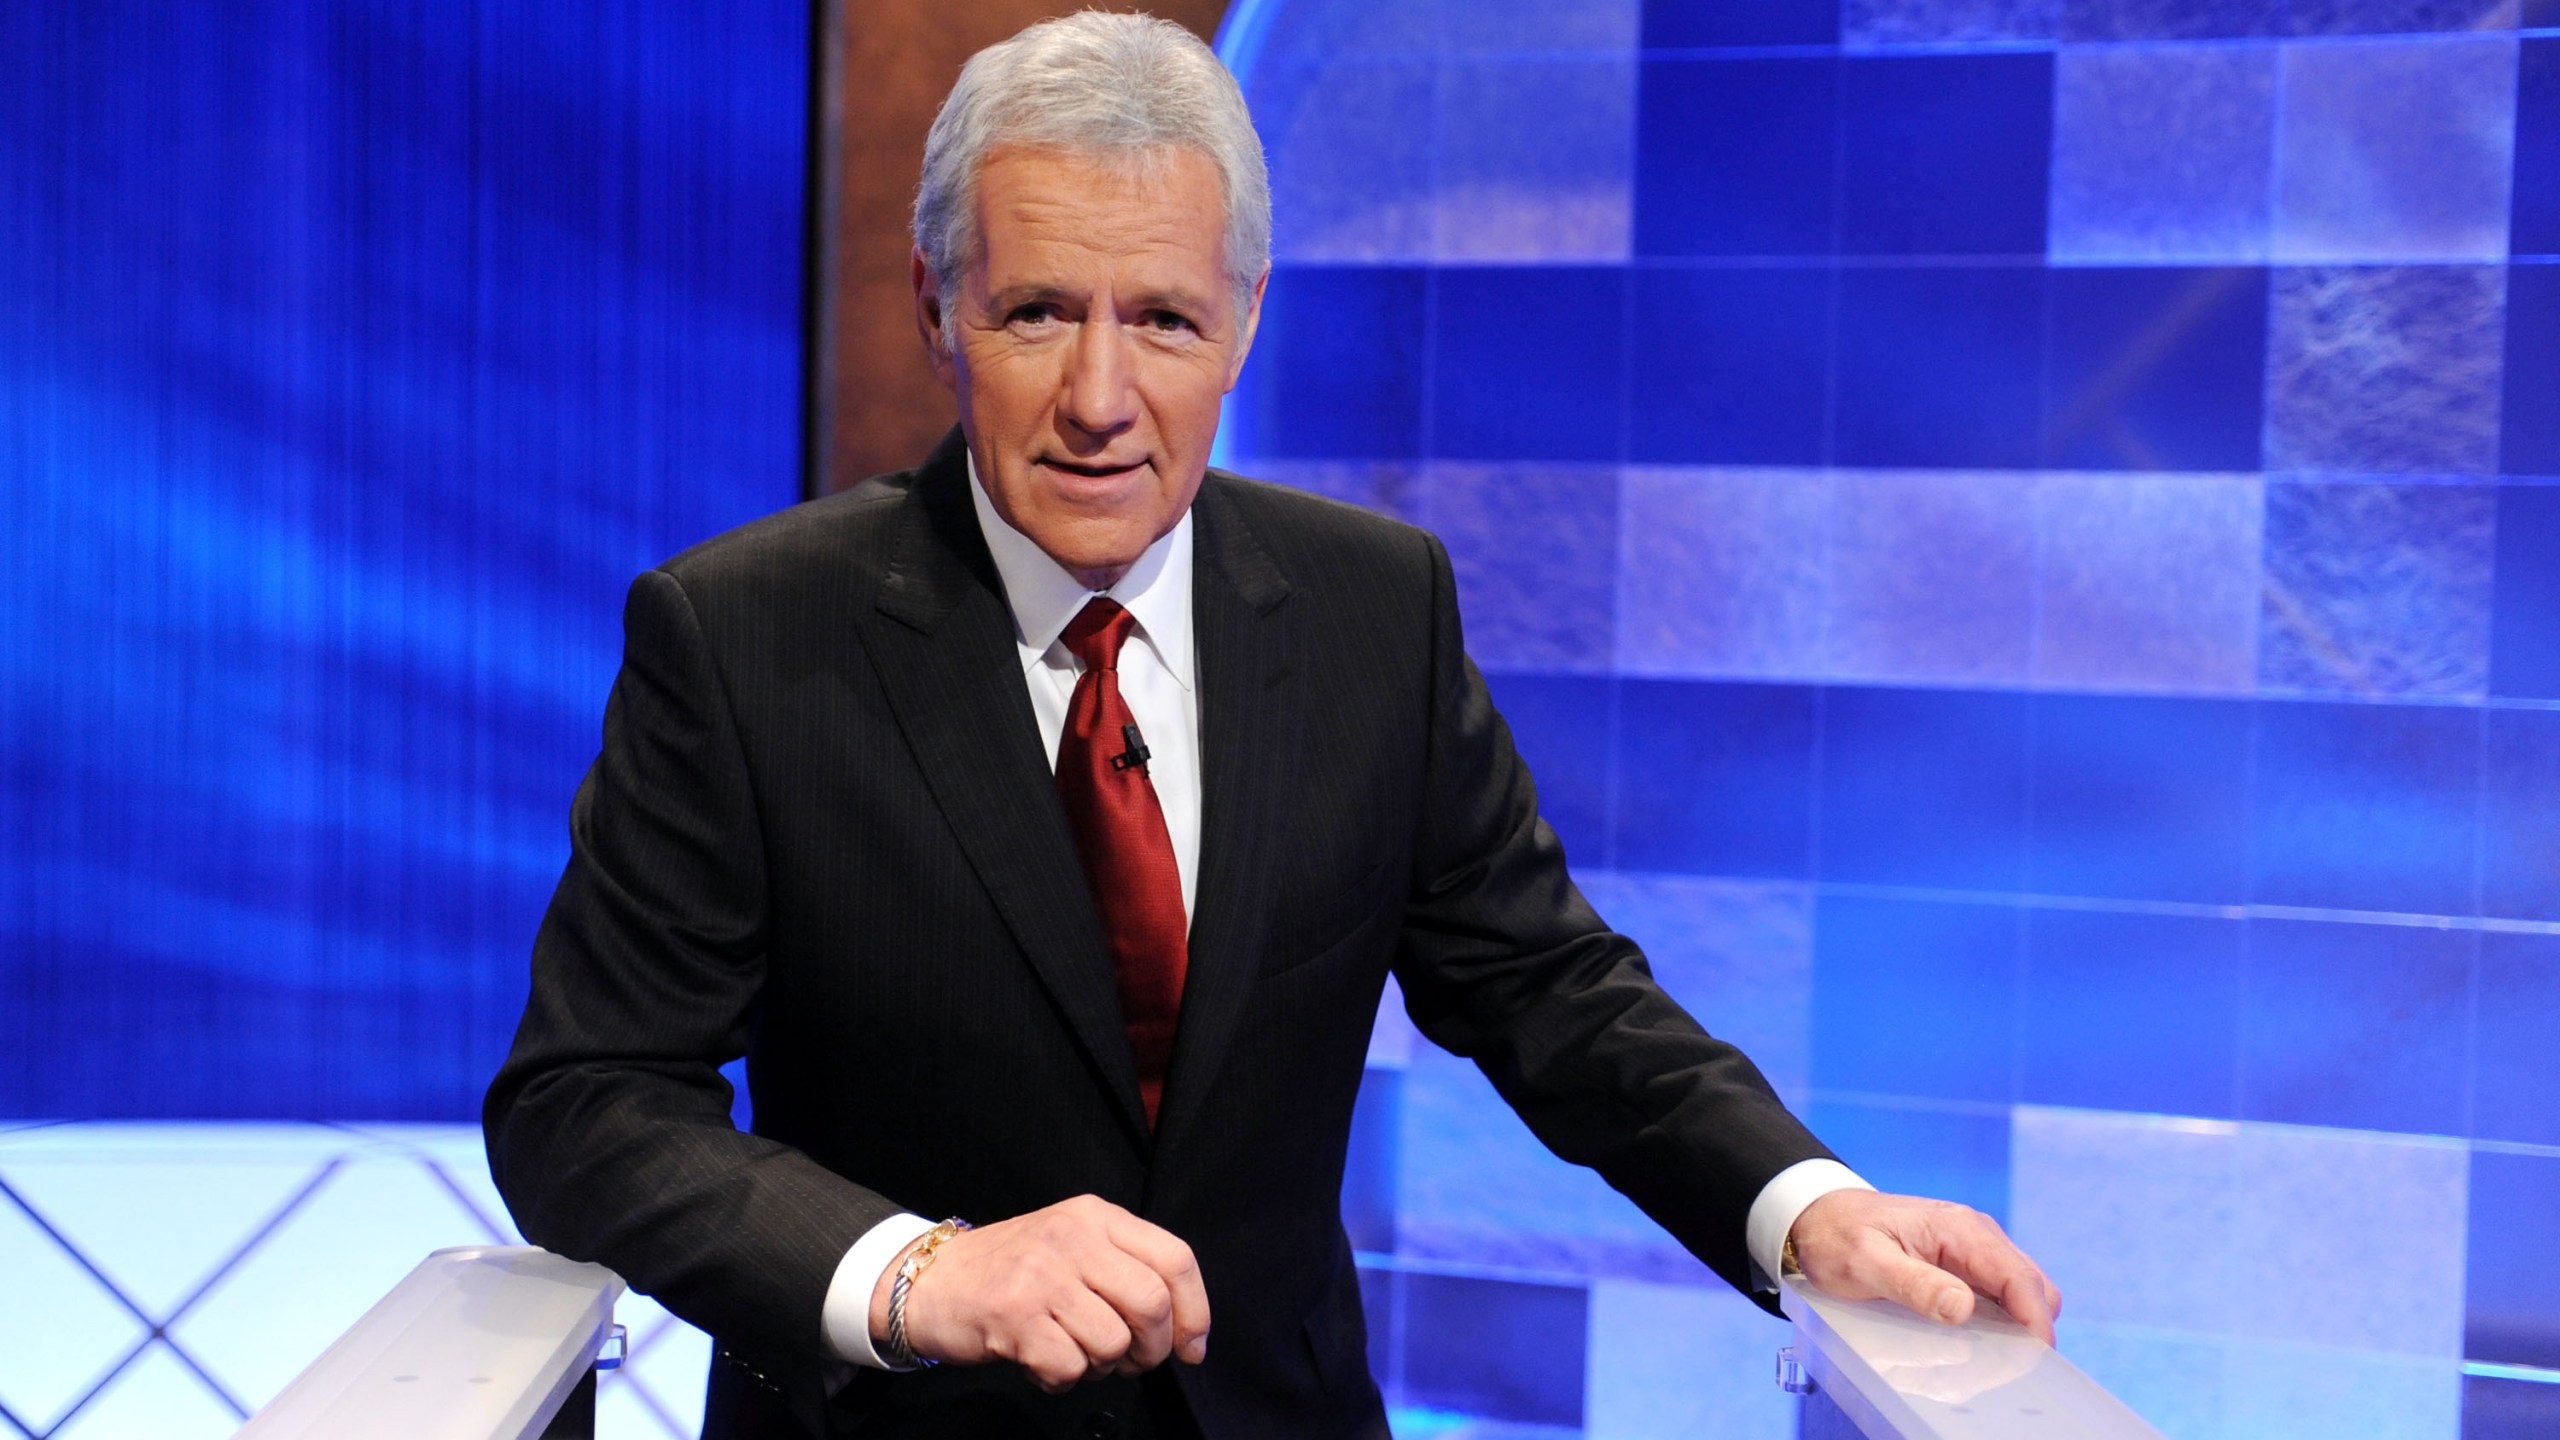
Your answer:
<point x="1101" y="395"/>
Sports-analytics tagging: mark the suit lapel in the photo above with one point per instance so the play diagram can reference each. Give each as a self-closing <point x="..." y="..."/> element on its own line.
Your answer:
<point x="1250" y="709"/>
<point x="952" y="674"/>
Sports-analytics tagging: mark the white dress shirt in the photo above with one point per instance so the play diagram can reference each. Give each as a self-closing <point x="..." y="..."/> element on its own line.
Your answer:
<point x="1158" y="679"/>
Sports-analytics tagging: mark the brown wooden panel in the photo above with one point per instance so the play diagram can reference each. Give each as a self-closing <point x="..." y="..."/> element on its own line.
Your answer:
<point x="876" y="405"/>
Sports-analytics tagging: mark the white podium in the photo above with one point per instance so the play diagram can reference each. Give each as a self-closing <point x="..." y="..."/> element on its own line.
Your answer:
<point x="1873" y="1369"/>
<point x="483" y="1342"/>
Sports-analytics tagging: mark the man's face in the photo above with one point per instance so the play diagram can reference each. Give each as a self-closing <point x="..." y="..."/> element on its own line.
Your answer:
<point x="1092" y="339"/>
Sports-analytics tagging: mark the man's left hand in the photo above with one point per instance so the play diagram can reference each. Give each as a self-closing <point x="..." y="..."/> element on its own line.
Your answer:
<point x="1930" y="1255"/>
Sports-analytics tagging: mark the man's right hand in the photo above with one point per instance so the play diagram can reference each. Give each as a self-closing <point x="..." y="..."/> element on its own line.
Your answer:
<point x="1080" y="1289"/>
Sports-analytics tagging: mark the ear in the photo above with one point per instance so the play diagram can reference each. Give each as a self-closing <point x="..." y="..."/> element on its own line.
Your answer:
<point x="932" y="322"/>
<point x="1247" y="325"/>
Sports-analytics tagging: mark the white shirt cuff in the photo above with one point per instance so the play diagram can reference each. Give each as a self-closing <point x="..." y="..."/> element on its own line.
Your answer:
<point x="848" y="1307"/>
<point x="1773" y="1214"/>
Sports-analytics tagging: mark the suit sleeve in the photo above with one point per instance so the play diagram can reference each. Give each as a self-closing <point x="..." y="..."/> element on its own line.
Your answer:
<point x="608" y="1126"/>
<point x="1503" y="961"/>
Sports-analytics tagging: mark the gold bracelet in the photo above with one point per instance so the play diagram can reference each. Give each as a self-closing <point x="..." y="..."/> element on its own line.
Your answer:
<point x="1787" y="1257"/>
<point x="901" y="1355"/>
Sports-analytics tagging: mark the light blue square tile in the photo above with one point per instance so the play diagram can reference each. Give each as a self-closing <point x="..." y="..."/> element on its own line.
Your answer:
<point x="156" y="1396"/>
<point x="341" y="1251"/>
<point x="1473" y="1185"/>
<point x="1534" y="548"/>
<point x="1870" y="24"/>
<point x="1351" y="158"/>
<point x="2385" y="369"/>
<point x="2171" y="1378"/>
<point x="60" y="1331"/>
<point x="2162" y="153"/>
<point x="159" y="1227"/>
<point x="2279" y="1391"/>
<point x="2395" y="150"/>
<point x="1537" y="159"/>
<point x="2131" y="1215"/>
<point x="2378" y="589"/>
<point x="1672" y="1362"/>
<point x="1389" y="487"/>
<point x="1737" y="954"/>
<point x="2294" y="1247"/>
<point x="1720" y="572"/>
<point x="2148" y="581"/>
<point x="1931" y="575"/>
<point x="2348" y="1238"/>
<point x="2170" y="19"/>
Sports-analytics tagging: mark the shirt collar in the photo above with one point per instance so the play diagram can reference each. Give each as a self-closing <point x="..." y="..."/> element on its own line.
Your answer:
<point x="1044" y="597"/>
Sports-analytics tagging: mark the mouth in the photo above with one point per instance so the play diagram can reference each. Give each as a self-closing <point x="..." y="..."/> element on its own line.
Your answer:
<point x="1090" y="471"/>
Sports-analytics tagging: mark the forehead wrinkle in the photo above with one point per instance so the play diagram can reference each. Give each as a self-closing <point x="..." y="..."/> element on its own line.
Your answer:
<point x="1072" y="215"/>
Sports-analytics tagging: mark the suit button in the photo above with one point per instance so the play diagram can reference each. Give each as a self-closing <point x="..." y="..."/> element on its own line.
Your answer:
<point x="1102" y="1425"/>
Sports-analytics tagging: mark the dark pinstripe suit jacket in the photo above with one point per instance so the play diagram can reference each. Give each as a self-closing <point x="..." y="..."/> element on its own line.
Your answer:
<point x="822" y="834"/>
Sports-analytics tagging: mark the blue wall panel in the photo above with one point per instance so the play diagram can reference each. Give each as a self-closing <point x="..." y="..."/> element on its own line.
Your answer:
<point x="2155" y="368"/>
<point x="2535" y="224"/>
<point x="2518" y="1068"/>
<point x="2366" y="807"/>
<point x="2513" y="1291"/>
<point x="1945" y="154"/>
<point x="2524" y="642"/>
<point x="2520" y="815"/>
<point x="2163" y="153"/>
<point x="2355" y="1025"/>
<point x="1916" y="999"/>
<point x="1726" y="778"/>
<point x="2141" y="798"/>
<point x="2132" y="1012"/>
<point x="1729" y="366"/>
<point x="2530" y="439"/>
<point x="1939" y="366"/>
<point x="2378" y="589"/>
<point x="1735" y="156"/>
<point x="1925" y="787"/>
<point x="1327" y="390"/>
<point x="1527" y="363"/>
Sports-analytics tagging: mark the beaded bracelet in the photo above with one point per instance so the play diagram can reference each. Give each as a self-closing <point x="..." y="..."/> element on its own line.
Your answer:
<point x="899" y="1354"/>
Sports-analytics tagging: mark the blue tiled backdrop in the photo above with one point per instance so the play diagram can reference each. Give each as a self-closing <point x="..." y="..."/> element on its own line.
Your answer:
<point x="2020" y="538"/>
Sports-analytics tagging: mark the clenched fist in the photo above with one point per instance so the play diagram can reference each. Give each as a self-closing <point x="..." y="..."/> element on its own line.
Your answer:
<point x="1077" y="1290"/>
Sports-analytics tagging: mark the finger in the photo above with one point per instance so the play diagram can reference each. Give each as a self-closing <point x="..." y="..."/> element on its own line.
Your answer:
<point x="1049" y="1355"/>
<point x="1163" y="1252"/>
<point x="2025" y="1301"/>
<point x="1141" y="1298"/>
<point x="1101" y="1337"/>
<point x="1977" y="1251"/>
<point x="1888" y="1272"/>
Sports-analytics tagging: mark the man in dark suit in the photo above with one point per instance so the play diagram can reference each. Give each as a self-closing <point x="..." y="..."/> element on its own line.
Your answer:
<point x="1042" y="825"/>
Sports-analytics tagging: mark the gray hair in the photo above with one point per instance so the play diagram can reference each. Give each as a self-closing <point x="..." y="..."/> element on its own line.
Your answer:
<point x="1123" y="87"/>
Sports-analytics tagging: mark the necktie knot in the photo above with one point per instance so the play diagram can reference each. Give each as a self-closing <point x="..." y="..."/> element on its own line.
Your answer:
<point x="1097" y="633"/>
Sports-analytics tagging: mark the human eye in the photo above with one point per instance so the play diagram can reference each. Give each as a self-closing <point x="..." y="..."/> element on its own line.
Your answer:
<point x="1168" y="324"/>
<point x="1033" y="316"/>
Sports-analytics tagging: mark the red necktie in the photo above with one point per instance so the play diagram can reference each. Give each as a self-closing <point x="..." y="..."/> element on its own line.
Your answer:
<point x="1120" y="832"/>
